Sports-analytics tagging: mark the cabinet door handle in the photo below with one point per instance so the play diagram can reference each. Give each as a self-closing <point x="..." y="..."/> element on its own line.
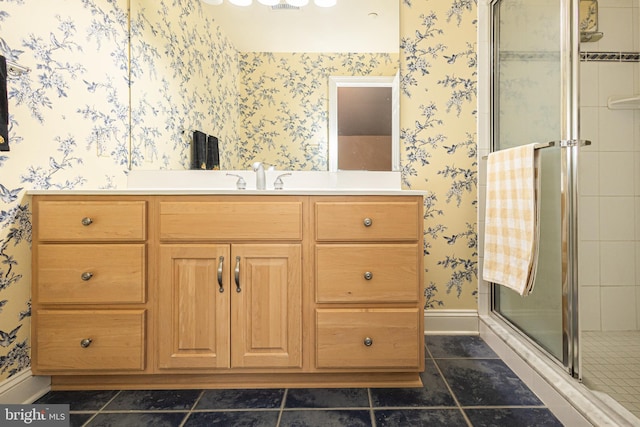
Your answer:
<point x="368" y="275"/>
<point x="86" y="221"/>
<point x="221" y="286"/>
<point x="368" y="342"/>
<point x="367" y="222"/>
<point x="237" y="274"/>
<point x="86" y="342"/>
<point x="87" y="275"/>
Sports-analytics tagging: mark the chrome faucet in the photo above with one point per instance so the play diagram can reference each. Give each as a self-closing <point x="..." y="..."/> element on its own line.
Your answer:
<point x="261" y="181"/>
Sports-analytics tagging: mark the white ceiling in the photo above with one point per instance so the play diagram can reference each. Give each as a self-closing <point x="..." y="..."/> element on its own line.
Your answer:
<point x="346" y="27"/>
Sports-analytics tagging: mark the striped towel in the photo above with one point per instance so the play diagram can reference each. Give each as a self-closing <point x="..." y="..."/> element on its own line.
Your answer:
<point x="511" y="222"/>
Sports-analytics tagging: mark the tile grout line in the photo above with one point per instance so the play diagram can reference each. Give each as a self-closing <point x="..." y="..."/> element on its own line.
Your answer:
<point x="282" y="406"/>
<point x="95" y="414"/>
<point x="446" y="383"/>
<point x="193" y="407"/>
<point x="372" y="413"/>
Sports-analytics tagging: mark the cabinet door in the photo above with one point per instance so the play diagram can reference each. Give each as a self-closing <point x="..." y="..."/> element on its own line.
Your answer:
<point x="193" y="326"/>
<point x="266" y="306"/>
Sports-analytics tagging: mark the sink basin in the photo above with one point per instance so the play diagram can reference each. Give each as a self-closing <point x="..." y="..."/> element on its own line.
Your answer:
<point x="297" y="181"/>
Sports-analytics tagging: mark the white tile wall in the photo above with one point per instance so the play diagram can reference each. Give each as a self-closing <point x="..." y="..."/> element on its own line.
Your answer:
<point x="618" y="307"/>
<point x="589" y="263"/>
<point x="617" y="262"/>
<point x="620" y="183"/>
<point x="590" y="308"/>
<point x="609" y="223"/>
<point x="589" y="173"/>
<point x="617" y="219"/>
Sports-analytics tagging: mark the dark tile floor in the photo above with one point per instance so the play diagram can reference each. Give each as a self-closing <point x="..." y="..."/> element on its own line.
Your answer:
<point x="465" y="384"/>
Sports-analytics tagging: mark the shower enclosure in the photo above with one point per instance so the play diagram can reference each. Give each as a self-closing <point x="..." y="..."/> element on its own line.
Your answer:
<point x="535" y="59"/>
<point x="548" y="86"/>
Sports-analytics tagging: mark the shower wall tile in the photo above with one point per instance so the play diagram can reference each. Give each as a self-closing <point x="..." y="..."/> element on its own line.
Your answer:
<point x="615" y="3"/>
<point x="637" y="264"/>
<point x="616" y="221"/>
<point x="636" y="181"/>
<point x="589" y="227"/>
<point x="617" y="263"/>
<point x="589" y="127"/>
<point x="614" y="78"/>
<point x="620" y="183"/>
<point x="589" y="84"/>
<point x="636" y="122"/>
<point x="588" y="174"/>
<point x="590" y="308"/>
<point x="619" y="311"/>
<point x="616" y="23"/>
<point x="615" y="129"/>
<point x="637" y="309"/>
<point x="589" y="263"/>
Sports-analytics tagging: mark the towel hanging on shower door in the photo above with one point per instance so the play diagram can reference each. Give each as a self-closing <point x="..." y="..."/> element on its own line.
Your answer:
<point x="4" y="106"/>
<point x="512" y="217"/>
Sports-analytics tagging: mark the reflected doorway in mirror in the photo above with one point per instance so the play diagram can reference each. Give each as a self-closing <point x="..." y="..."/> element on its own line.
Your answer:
<point x="364" y="123"/>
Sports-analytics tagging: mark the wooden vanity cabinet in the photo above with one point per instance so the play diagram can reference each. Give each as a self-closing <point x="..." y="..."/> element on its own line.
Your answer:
<point x="216" y="291"/>
<point x="224" y="303"/>
<point x="368" y="283"/>
<point x="89" y="300"/>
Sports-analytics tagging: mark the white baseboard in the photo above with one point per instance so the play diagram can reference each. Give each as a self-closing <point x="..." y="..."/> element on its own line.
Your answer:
<point x="24" y="388"/>
<point x="451" y="322"/>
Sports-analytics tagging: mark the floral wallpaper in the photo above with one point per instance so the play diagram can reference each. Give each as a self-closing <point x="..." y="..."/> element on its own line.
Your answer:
<point x="72" y="125"/>
<point x="68" y="129"/>
<point x="284" y="104"/>
<point x="184" y="77"/>
<point x="438" y="139"/>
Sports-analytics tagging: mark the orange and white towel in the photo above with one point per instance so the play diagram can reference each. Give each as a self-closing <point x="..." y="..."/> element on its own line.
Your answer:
<point x="512" y="232"/>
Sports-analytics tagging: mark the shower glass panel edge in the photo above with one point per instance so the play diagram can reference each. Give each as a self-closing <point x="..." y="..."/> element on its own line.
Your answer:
<point x="535" y="67"/>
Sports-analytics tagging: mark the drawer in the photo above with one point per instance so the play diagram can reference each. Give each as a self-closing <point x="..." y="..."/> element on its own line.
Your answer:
<point x="98" y="273"/>
<point x="221" y="220"/>
<point x="385" y="273"/>
<point x="116" y="340"/>
<point x="393" y="335"/>
<point x="368" y="221"/>
<point x="91" y="220"/>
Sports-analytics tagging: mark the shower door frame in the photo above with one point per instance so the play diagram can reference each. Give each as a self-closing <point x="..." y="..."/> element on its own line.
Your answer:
<point x="569" y="143"/>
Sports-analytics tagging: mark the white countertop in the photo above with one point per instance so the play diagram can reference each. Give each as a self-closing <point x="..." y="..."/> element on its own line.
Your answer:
<point x="200" y="191"/>
<point x="298" y="183"/>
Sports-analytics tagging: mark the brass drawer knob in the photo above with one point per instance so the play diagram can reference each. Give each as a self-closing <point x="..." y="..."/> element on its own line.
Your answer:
<point x="86" y="342"/>
<point x="86" y="221"/>
<point x="368" y="275"/>
<point x="86" y="276"/>
<point x="367" y="222"/>
<point x="368" y="342"/>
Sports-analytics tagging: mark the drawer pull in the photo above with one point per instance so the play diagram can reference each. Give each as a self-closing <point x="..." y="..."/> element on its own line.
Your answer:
<point x="367" y="222"/>
<point x="368" y="275"/>
<point x="86" y="221"/>
<point x="368" y="342"/>
<point x="87" y="275"/>
<point x="237" y="274"/>
<point x="221" y="287"/>
<point x="86" y="342"/>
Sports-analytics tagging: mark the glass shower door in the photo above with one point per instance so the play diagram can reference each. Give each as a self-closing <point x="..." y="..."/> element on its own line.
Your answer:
<point x="533" y="88"/>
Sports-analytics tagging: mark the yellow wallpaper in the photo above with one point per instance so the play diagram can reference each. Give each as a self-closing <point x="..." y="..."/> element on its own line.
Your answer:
<point x="184" y="77"/>
<point x="438" y="139"/>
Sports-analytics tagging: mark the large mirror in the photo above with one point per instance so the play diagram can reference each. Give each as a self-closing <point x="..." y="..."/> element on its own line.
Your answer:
<point x="255" y="77"/>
